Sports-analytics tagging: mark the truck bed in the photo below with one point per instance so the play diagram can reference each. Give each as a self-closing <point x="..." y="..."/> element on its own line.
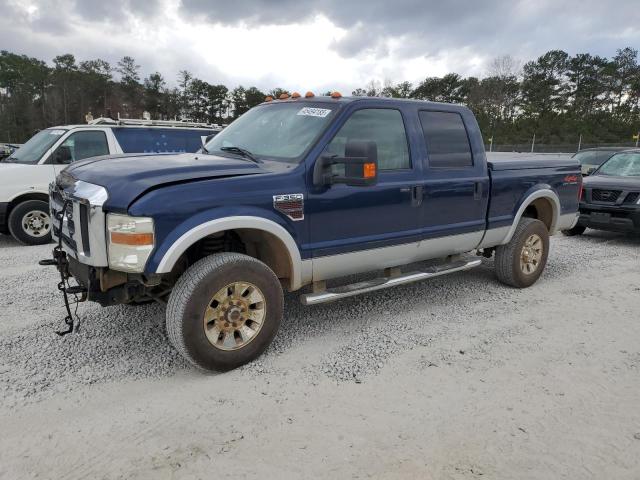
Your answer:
<point x="515" y="176"/>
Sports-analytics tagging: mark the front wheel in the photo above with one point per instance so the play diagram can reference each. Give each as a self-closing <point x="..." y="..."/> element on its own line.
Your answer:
<point x="520" y="262"/>
<point x="30" y="222"/>
<point x="224" y="311"/>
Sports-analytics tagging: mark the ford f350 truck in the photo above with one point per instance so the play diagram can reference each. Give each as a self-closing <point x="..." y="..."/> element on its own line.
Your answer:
<point x="301" y="192"/>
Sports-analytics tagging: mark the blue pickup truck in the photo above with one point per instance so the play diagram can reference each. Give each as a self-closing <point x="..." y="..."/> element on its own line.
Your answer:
<point x="301" y="192"/>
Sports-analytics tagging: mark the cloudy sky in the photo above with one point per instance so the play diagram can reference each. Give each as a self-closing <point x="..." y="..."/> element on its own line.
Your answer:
<point x="316" y="44"/>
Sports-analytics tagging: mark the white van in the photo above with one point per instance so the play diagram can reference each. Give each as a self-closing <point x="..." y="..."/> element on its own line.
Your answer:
<point x="25" y="175"/>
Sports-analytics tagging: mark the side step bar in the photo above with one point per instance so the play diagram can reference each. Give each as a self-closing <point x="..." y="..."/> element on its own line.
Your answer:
<point x="345" y="291"/>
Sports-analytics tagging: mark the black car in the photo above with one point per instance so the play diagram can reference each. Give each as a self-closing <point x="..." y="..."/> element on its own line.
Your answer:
<point x="591" y="158"/>
<point x="611" y="196"/>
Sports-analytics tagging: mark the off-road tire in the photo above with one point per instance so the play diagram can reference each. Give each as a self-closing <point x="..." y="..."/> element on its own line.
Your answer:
<point x="572" y="232"/>
<point x="18" y="231"/>
<point x="507" y="258"/>
<point x="193" y="293"/>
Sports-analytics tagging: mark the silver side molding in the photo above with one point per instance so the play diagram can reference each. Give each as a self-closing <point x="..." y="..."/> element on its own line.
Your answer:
<point x="337" y="293"/>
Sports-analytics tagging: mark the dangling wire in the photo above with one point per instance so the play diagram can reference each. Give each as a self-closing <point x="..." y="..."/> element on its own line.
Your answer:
<point x="60" y="257"/>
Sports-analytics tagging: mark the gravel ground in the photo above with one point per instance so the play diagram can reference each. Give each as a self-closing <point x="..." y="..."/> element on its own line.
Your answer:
<point x="458" y="377"/>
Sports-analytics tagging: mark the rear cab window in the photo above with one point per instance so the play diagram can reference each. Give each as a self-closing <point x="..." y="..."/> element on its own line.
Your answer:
<point x="159" y="140"/>
<point x="446" y="139"/>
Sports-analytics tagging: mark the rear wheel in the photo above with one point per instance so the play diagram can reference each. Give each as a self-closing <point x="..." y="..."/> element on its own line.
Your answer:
<point x="520" y="262"/>
<point x="224" y="311"/>
<point x="572" y="232"/>
<point x="30" y="222"/>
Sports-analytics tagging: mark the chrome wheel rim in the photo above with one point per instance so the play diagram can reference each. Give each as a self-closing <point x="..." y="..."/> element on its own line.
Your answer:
<point x="36" y="223"/>
<point x="531" y="254"/>
<point x="234" y="316"/>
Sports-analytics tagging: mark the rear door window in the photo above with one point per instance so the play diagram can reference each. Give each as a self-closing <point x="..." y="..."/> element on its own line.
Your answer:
<point x="159" y="140"/>
<point x="446" y="138"/>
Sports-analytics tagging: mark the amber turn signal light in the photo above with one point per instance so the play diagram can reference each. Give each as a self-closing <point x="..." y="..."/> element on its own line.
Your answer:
<point x="369" y="170"/>
<point x="133" y="239"/>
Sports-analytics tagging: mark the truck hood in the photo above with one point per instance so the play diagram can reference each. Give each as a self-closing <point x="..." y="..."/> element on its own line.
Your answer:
<point x="127" y="177"/>
<point x="611" y="182"/>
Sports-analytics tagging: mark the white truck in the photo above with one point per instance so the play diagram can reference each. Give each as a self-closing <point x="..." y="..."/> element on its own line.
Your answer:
<point x="26" y="174"/>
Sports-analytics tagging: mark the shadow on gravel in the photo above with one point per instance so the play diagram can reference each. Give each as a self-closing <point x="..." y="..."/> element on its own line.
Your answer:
<point x="622" y="239"/>
<point x="123" y="342"/>
<point x="8" y="241"/>
<point x="130" y="342"/>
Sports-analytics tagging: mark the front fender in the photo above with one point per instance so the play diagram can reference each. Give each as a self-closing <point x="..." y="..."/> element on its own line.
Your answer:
<point x="176" y="243"/>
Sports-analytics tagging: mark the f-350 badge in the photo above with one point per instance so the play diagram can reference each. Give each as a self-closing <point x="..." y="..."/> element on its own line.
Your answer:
<point x="292" y="205"/>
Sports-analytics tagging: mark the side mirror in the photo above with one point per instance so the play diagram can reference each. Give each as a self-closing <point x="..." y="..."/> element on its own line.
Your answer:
<point x="590" y="170"/>
<point x="360" y="163"/>
<point x="62" y="155"/>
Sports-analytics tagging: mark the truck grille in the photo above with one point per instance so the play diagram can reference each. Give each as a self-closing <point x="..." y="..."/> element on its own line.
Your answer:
<point x="632" y="197"/>
<point x="606" y="196"/>
<point x="83" y="228"/>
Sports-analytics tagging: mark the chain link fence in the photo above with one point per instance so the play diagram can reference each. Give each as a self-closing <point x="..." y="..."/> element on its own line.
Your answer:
<point x="551" y="148"/>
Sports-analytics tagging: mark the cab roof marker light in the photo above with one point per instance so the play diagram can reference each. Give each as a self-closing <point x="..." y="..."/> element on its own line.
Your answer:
<point x="295" y="95"/>
<point x="268" y="98"/>
<point x="336" y="95"/>
<point x="309" y="95"/>
<point x="283" y="96"/>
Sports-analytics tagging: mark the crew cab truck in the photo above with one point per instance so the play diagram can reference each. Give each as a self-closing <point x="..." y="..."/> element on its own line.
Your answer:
<point x="295" y="193"/>
<point x="26" y="173"/>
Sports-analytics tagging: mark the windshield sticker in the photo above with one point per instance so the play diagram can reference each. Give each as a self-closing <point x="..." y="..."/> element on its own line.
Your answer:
<point x="314" y="112"/>
<point x="56" y="132"/>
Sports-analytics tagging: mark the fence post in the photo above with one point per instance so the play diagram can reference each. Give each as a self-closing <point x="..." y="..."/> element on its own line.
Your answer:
<point x="533" y="142"/>
<point x="579" y="142"/>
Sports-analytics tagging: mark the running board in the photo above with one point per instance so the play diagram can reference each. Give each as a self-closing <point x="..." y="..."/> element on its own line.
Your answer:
<point x="345" y="291"/>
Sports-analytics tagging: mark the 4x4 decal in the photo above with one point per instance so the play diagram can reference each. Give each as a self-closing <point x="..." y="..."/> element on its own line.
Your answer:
<point x="292" y="205"/>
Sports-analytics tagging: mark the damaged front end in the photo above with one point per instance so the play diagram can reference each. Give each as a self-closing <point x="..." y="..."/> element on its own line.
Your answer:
<point x="81" y="253"/>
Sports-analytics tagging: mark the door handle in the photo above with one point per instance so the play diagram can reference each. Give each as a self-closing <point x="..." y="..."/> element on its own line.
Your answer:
<point x="477" y="191"/>
<point x="416" y="192"/>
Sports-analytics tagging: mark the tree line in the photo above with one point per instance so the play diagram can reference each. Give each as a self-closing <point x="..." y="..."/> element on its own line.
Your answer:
<point x="556" y="97"/>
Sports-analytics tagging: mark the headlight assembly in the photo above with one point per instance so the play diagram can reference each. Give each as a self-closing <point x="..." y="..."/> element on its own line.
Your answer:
<point x="131" y="241"/>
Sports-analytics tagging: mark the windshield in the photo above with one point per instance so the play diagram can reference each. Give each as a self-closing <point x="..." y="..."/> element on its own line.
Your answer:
<point x="622" y="165"/>
<point x="279" y="131"/>
<point x="32" y="151"/>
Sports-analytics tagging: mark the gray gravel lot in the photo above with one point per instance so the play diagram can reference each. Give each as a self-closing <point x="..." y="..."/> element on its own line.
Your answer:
<point x="459" y="377"/>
